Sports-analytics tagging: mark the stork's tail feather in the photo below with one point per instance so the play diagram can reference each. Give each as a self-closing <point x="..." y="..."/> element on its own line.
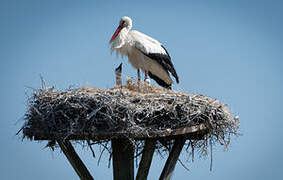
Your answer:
<point x="176" y="76"/>
<point x="159" y="81"/>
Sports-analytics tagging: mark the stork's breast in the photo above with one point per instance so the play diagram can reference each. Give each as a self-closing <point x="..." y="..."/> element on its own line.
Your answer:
<point x="136" y="58"/>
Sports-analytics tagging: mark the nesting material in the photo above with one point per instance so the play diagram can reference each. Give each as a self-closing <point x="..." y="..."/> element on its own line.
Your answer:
<point x="131" y="112"/>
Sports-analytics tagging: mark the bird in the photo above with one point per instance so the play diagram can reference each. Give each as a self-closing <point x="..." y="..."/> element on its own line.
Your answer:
<point x="144" y="53"/>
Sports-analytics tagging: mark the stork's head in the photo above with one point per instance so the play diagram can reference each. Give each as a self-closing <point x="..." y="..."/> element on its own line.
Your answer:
<point x="125" y="22"/>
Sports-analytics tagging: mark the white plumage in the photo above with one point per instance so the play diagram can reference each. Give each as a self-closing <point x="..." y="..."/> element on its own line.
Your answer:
<point x="144" y="53"/>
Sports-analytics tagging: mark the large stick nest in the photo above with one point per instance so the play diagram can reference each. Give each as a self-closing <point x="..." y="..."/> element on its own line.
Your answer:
<point x="128" y="111"/>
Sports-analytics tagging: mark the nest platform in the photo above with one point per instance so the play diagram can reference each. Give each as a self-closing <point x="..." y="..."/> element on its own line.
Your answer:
<point x="143" y="119"/>
<point x="127" y="112"/>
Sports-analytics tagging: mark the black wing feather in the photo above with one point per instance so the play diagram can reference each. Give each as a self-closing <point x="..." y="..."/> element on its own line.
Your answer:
<point x="165" y="61"/>
<point x="159" y="81"/>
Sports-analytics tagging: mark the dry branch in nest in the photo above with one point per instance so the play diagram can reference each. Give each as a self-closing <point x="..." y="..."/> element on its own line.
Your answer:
<point x="129" y="112"/>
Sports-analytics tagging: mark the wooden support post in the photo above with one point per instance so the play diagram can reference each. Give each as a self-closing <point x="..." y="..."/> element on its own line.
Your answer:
<point x="172" y="159"/>
<point x="75" y="160"/>
<point x="146" y="159"/>
<point x="123" y="159"/>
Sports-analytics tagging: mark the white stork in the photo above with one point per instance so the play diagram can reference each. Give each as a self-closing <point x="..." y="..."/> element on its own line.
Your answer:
<point x="144" y="53"/>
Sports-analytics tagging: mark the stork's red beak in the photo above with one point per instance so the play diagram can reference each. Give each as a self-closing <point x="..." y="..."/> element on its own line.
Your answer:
<point x="115" y="33"/>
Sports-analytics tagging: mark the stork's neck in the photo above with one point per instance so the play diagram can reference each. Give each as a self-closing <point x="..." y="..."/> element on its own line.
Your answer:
<point x="121" y="38"/>
<point x="129" y="27"/>
<point x="126" y="29"/>
<point x="123" y="35"/>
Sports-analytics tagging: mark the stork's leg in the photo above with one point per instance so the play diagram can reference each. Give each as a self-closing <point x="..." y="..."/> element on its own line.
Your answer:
<point x="139" y="78"/>
<point x="146" y="80"/>
<point x="145" y="75"/>
<point x="139" y="75"/>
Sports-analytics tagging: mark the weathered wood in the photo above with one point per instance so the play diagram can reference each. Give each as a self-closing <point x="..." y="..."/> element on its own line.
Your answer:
<point x="75" y="160"/>
<point x="146" y="159"/>
<point x="172" y="159"/>
<point x="123" y="159"/>
<point x="190" y="132"/>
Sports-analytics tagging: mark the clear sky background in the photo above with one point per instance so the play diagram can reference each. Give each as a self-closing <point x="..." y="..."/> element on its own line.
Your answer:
<point x="230" y="50"/>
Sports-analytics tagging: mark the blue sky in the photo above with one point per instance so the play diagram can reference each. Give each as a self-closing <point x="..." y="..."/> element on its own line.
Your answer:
<point x="230" y="50"/>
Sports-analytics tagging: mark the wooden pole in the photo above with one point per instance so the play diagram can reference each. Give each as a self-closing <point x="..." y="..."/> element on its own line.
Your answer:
<point x="172" y="159"/>
<point x="146" y="159"/>
<point x="123" y="159"/>
<point x="75" y="160"/>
